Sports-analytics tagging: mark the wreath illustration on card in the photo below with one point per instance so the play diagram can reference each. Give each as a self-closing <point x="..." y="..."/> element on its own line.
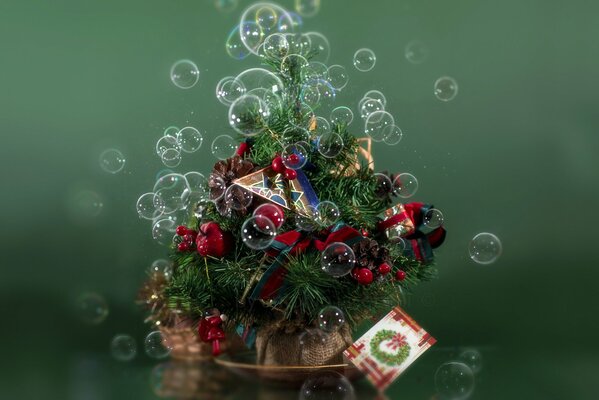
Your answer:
<point x="389" y="347"/>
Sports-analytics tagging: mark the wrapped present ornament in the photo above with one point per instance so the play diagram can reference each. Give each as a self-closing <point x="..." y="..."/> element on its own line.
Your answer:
<point x="397" y="223"/>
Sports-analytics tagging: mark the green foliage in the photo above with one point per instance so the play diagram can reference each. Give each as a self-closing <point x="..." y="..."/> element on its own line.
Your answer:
<point x="198" y="283"/>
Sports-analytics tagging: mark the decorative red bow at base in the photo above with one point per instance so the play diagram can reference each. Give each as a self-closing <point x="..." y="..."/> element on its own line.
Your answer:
<point x="211" y="331"/>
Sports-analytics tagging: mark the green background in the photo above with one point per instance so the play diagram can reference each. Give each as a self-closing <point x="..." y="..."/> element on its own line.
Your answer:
<point x="515" y="153"/>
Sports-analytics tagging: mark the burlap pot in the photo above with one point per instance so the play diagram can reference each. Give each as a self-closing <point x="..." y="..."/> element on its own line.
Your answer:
<point x="275" y="346"/>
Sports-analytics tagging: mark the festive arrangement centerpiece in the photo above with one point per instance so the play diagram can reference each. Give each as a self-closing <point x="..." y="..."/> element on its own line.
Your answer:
<point x="293" y="239"/>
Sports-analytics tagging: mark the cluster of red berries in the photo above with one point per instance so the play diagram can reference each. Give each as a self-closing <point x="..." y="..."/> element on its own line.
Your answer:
<point x="279" y="167"/>
<point x="188" y="238"/>
<point x="364" y="276"/>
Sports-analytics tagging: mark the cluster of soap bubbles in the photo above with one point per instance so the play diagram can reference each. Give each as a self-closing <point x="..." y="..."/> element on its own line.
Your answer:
<point x="485" y="248"/>
<point x="174" y="142"/>
<point x="112" y="161"/>
<point x="123" y="347"/>
<point x="456" y="379"/>
<point x="378" y="123"/>
<point x="168" y="203"/>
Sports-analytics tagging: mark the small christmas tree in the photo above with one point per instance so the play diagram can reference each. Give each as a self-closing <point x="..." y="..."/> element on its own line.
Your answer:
<point x="294" y="233"/>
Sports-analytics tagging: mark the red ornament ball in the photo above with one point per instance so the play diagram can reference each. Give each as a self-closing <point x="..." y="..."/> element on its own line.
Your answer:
<point x="181" y="230"/>
<point x="212" y="241"/>
<point x="272" y="212"/>
<point x="183" y="246"/>
<point x="277" y="165"/>
<point x="364" y="276"/>
<point x="384" y="269"/>
<point x="290" y="174"/>
<point x="293" y="159"/>
<point x="400" y="275"/>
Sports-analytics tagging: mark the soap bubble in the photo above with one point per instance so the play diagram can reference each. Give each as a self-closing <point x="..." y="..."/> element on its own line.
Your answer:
<point x="312" y="337"/>
<point x="338" y="259"/>
<point x="197" y="188"/>
<point x="342" y="115"/>
<point x="271" y="211"/>
<point x="260" y="21"/>
<point x="338" y="76"/>
<point x="433" y="218"/>
<point x="485" y="248"/>
<point x="416" y="52"/>
<point x="223" y="147"/>
<point x="293" y="64"/>
<point x="162" y="265"/>
<point x="393" y="135"/>
<point x="248" y="114"/>
<point x="316" y="91"/>
<point x="112" y="161"/>
<point x="189" y="139"/>
<point x="86" y="203"/>
<point x="170" y="189"/>
<point x="330" y="319"/>
<point x="258" y="232"/>
<point x="165" y="143"/>
<point x="369" y="106"/>
<point x="149" y="206"/>
<point x="91" y="308"/>
<point x="454" y="380"/>
<point x="405" y="185"/>
<point x="234" y="47"/>
<point x="307" y="8"/>
<point x="254" y="78"/>
<point x="294" y="156"/>
<point x="218" y="186"/>
<point x="238" y="198"/>
<point x="377" y="124"/>
<point x="163" y="231"/>
<point x="314" y="70"/>
<point x="322" y="126"/>
<point x="171" y="158"/>
<point x="299" y="44"/>
<point x="185" y="74"/>
<point x="446" y="88"/>
<point x="472" y="358"/>
<point x="229" y="89"/>
<point x="329" y="145"/>
<point x="328" y="213"/>
<point x="276" y="45"/>
<point x="320" y="45"/>
<point x="123" y="348"/>
<point x="364" y="60"/>
<point x="157" y="346"/>
<point x="225" y="5"/>
<point x="384" y="185"/>
<point x="329" y="385"/>
<point x="171" y="131"/>
<point x="376" y="95"/>
<point x="307" y="222"/>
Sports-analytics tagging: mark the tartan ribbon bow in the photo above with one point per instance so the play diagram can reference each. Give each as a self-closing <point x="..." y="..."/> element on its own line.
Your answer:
<point x="272" y="283"/>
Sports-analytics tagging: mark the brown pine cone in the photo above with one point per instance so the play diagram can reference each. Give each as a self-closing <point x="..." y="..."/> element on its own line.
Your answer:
<point x="223" y="174"/>
<point x="369" y="254"/>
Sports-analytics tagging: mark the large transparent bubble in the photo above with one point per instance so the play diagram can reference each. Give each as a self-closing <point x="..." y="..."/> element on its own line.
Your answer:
<point x="259" y="21"/>
<point x="248" y="115"/>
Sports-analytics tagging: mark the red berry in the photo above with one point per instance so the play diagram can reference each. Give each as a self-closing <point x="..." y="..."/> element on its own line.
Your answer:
<point x="181" y="230"/>
<point x="192" y="233"/>
<point x="189" y="239"/>
<point x="293" y="158"/>
<point x="354" y="273"/>
<point x="277" y="165"/>
<point x="384" y="269"/>
<point x="183" y="246"/>
<point x="364" y="276"/>
<point x="290" y="174"/>
<point x="400" y="275"/>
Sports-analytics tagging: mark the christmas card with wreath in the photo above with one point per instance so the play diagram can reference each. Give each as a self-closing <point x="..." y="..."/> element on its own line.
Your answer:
<point x="389" y="347"/>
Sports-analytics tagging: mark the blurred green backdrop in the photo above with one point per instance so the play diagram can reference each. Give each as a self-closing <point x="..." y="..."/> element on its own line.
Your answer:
<point x="515" y="153"/>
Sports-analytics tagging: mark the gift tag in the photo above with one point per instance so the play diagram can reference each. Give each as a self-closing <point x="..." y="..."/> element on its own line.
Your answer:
<point x="389" y="347"/>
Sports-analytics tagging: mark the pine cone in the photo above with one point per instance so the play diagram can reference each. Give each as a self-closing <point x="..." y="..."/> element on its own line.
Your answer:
<point x="369" y="254"/>
<point x="223" y="174"/>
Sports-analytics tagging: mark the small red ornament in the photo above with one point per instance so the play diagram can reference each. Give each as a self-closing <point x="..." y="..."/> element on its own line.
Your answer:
<point x="293" y="158"/>
<point x="364" y="276"/>
<point x="183" y="246"/>
<point x="189" y="239"/>
<point x="384" y="269"/>
<point x="277" y="165"/>
<point x="290" y="174"/>
<point x="210" y="330"/>
<point x="364" y="232"/>
<point x="400" y="275"/>
<point x="181" y="230"/>
<point x="272" y="212"/>
<point x="354" y="273"/>
<point x="212" y="241"/>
